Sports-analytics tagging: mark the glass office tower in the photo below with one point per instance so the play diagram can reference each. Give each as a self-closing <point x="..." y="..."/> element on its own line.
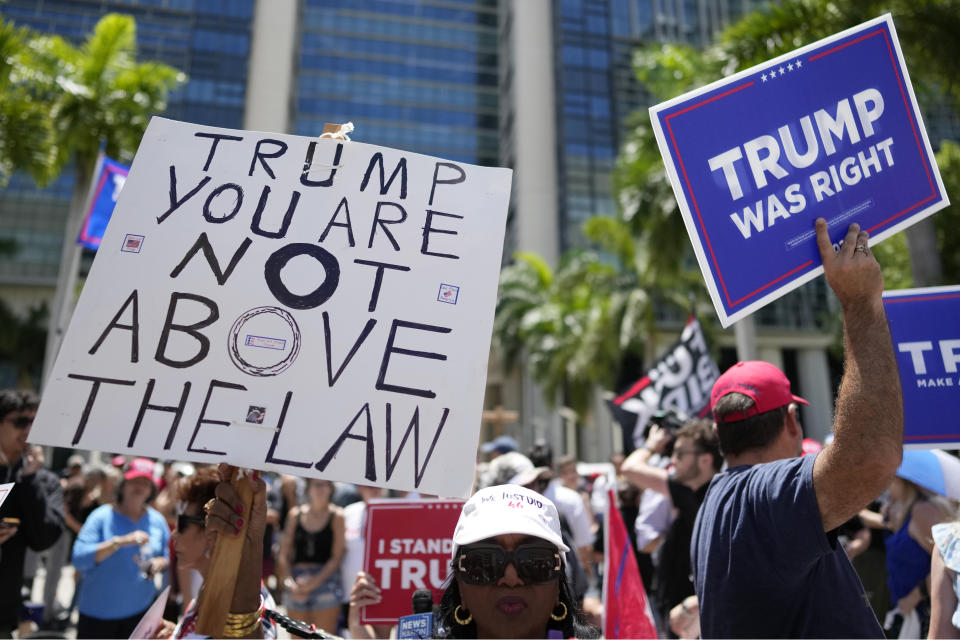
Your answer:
<point x="207" y="39"/>
<point x="416" y="75"/>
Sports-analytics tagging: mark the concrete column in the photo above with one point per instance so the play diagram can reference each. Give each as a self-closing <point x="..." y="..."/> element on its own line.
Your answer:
<point x="773" y="355"/>
<point x="270" y="75"/>
<point x="815" y="387"/>
<point x="535" y="129"/>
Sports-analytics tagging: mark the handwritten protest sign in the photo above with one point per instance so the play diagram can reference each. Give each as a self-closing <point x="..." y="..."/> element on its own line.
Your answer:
<point x="307" y="306"/>
<point x="407" y="546"/>
<point x="926" y="339"/>
<point x="830" y="130"/>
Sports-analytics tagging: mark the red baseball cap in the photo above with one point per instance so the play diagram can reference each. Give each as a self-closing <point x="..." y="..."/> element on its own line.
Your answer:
<point x="140" y="468"/>
<point x="760" y="381"/>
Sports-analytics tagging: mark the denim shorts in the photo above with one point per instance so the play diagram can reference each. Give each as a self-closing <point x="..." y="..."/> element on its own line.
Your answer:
<point x="326" y="596"/>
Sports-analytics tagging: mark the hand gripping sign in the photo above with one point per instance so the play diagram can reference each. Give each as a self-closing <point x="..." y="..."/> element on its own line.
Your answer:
<point x="407" y="546"/>
<point x="830" y="130"/>
<point x="926" y="339"/>
<point x="272" y="301"/>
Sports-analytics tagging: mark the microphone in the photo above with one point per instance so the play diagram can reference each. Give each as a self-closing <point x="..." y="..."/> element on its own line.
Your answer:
<point x="419" y="624"/>
<point x="422" y="601"/>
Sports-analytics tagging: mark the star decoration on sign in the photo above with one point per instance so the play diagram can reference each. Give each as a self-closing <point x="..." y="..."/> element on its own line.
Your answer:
<point x="799" y="63"/>
<point x="782" y="71"/>
<point x="763" y="78"/>
<point x="790" y="67"/>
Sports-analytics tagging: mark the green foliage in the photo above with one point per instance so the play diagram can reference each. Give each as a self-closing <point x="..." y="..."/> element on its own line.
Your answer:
<point x="563" y="323"/>
<point x="63" y="101"/>
<point x="26" y="134"/>
<point x="947" y="221"/>
<point x="22" y="341"/>
<point x="894" y="259"/>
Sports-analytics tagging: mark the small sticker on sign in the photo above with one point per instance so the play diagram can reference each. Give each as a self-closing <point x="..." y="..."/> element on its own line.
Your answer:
<point x="255" y="414"/>
<point x="132" y="243"/>
<point x="448" y="293"/>
<point x="265" y="343"/>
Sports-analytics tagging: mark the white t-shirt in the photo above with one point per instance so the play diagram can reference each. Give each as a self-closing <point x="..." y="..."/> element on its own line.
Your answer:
<point x="570" y="505"/>
<point x="355" y="519"/>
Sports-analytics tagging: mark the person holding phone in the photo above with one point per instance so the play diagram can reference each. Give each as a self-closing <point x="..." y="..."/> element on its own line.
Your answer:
<point x="32" y="514"/>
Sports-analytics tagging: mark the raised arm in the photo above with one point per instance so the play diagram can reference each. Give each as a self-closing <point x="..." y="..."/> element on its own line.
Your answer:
<point x="637" y="469"/>
<point x="868" y="425"/>
<point x="943" y="600"/>
<point x="285" y="552"/>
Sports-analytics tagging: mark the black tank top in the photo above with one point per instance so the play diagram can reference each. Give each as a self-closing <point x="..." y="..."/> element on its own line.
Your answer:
<point x="312" y="546"/>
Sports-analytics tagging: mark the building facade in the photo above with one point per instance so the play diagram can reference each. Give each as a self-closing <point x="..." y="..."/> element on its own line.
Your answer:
<point x="542" y="86"/>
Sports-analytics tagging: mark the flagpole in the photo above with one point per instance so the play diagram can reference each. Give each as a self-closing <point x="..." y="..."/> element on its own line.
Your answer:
<point x="745" y="333"/>
<point x="70" y="254"/>
<point x="611" y="504"/>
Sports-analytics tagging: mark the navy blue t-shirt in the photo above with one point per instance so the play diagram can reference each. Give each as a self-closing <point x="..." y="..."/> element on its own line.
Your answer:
<point x="763" y="566"/>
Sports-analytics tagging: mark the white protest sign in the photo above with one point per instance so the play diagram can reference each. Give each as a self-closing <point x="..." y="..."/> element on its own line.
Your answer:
<point x="301" y="305"/>
<point x="5" y="490"/>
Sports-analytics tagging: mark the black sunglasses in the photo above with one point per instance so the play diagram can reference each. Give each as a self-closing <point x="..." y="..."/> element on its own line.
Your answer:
<point x="484" y="564"/>
<point x="184" y="521"/>
<point x="21" y="422"/>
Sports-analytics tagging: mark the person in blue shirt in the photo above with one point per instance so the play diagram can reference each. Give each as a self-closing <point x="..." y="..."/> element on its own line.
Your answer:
<point x="764" y="552"/>
<point x="119" y="550"/>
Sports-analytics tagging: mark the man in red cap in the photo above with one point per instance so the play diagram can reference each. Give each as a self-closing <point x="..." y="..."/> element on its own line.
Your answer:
<point x="765" y="555"/>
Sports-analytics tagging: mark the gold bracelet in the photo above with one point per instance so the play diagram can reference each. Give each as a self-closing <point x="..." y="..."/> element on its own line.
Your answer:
<point x="241" y="631"/>
<point x="239" y="625"/>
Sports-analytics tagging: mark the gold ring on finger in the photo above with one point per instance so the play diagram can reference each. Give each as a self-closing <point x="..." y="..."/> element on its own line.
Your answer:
<point x="209" y="505"/>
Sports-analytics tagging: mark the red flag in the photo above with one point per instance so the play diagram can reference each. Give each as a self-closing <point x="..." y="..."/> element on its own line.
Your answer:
<point x="627" y="612"/>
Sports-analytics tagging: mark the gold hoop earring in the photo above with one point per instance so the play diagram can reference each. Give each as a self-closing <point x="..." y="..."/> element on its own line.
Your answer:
<point x="464" y="622"/>
<point x="561" y="616"/>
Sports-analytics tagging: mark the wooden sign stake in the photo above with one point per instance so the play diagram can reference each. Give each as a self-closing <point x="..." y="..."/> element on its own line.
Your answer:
<point x="218" y="587"/>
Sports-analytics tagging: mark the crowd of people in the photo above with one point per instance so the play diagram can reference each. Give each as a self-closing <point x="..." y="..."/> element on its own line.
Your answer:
<point x="741" y="526"/>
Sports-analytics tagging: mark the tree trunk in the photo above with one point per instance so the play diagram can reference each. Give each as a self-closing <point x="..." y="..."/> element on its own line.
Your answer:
<point x="924" y="255"/>
<point x="70" y="252"/>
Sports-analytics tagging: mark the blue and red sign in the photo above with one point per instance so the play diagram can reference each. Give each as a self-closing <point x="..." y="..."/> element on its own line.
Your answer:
<point x="104" y="198"/>
<point x="830" y="130"/>
<point x="925" y="327"/>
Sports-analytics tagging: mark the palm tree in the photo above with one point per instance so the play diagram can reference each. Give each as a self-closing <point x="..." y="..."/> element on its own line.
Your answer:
<point x="26" y="129"/>
<point x="100" y="95"/>
<point x="576" y="327"/>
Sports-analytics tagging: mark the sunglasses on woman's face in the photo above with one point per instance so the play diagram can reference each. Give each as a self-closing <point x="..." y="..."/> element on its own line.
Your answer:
<point x="484" y="564"/>
<point x="184" y="521"/>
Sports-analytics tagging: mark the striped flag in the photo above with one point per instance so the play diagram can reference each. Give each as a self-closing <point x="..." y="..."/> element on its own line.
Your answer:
<point x="626" y="610"/>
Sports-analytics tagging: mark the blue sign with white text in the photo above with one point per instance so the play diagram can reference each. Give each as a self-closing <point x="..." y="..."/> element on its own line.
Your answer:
<point x="925" y="327"/>
<point x="102" y="201"/>
<point x="417" y="625"/>
<point x="831" y="130"/>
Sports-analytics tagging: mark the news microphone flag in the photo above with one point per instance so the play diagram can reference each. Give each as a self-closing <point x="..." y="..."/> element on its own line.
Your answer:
<point x="106" y="190"/>
<point x="626" y="610"/>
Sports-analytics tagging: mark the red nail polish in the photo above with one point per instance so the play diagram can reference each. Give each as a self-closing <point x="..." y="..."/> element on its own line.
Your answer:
<point x="236" y="532"/>
<point x="239" y="522"/>
<point x="256" y="475"/>
<point x="239" y="508"/>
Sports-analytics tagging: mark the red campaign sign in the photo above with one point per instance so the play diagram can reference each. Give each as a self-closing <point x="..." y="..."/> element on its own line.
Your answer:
<point x="407" y="545"/>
